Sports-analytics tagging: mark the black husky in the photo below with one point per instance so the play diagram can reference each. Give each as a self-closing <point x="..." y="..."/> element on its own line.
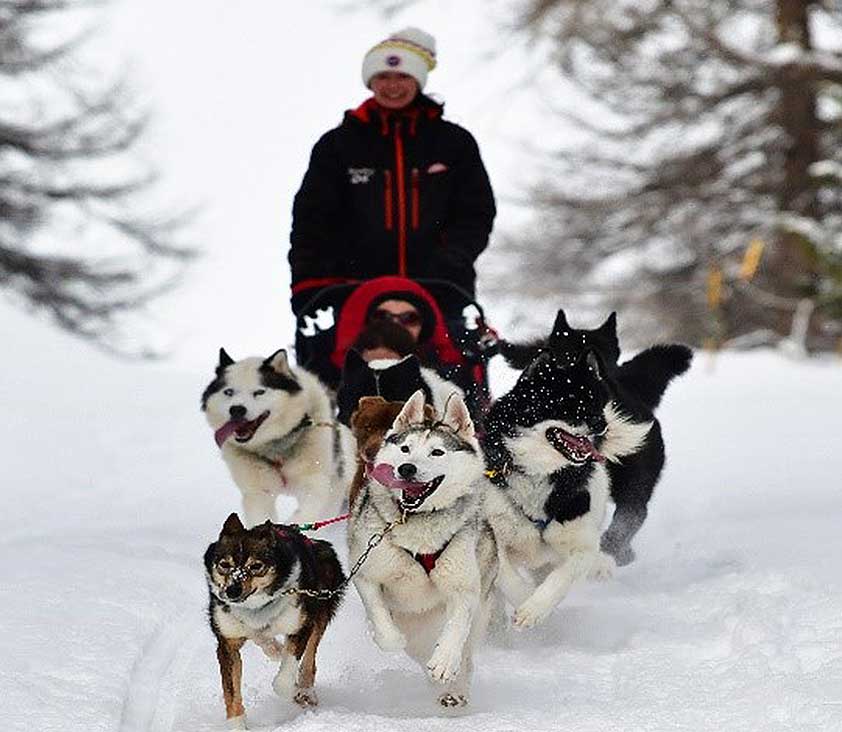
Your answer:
<point x="395" y="383"/>
<point x="638" y="386"/>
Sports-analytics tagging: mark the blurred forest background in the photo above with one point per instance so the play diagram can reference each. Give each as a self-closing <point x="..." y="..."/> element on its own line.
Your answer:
<point x="701" y="194"/>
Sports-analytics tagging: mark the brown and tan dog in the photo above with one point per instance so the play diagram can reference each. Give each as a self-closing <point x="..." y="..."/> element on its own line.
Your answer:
<point x="370" y="422"/>
<point x="255" y="578"/>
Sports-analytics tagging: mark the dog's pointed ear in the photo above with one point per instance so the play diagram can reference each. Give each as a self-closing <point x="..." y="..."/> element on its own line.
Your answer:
<point x="412" y="412"/>
<point x="560" y="327"/>
<point x="279" y="362"/>
<point x="591" y="359"/>
<point x="542" y="360"/>
<point x="369" y="402"/>
<point x="609" y="327"/>
<point x="457" y="417"/>
<point x="224" y="359"/>
<point x="232" y="525"/>
<point x="365" y="406"/>
<point x="268" y="530"/>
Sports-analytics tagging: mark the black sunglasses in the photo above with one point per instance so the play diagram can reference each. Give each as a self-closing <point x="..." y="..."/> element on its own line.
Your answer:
<point x="407" y="318"/>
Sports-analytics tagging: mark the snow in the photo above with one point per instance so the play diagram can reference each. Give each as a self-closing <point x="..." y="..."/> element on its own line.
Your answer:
<point x="113" y="487"/>
<point x="729" y="619"/>
<point x="827" y="169"/>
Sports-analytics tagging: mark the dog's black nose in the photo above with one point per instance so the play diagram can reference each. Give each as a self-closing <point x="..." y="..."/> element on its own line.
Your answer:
<point x="234" y="591"/>
<point x="407" y="471"/>
<point x="237" y="411"/>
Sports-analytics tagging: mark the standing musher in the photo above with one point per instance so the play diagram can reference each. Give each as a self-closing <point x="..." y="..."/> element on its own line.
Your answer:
<point x="393" y="190"/>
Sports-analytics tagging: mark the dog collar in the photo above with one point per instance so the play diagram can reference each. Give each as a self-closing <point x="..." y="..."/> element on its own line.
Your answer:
<point x="283" y="444"/>
<point x="541" y="524"/>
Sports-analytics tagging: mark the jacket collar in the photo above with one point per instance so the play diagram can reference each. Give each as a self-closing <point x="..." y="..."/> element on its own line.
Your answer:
<point x="421" y="110"/>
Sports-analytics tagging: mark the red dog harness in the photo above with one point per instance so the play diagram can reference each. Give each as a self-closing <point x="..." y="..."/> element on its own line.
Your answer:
<point x="428" y="561"/>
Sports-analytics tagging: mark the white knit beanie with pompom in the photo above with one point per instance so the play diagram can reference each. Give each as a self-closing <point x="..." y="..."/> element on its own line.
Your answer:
<point x="408" y="51"/>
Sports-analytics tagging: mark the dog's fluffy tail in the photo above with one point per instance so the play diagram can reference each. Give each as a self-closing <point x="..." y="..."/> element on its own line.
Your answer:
<point x="649" y="372"/>
<point x="520" y="355"/>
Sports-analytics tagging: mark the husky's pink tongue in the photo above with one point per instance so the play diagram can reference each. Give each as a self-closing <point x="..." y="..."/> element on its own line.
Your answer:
<point x="384" y="474"/>
<point x="224" y="432"/>
<point x="583" y="445"/>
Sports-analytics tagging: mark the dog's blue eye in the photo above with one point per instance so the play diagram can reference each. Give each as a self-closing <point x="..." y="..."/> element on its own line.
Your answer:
<point x="228" y="392"/>
<point x="259" y="392"/>
<point x="437" y="453"/>
<point x="404" y="448"/>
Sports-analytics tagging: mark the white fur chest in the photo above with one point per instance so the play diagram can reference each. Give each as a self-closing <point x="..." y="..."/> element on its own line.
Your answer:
<point x="407" y="587"/>
<point x="530" y="493"/>
<point x="582" y="532"/>
<point x="281" y="617"/>
<point x="515" y="514"/>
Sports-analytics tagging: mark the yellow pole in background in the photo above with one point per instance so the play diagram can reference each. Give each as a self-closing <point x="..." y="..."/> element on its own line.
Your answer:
<point x="714" y="298"/>
<point x="751" y="259"/>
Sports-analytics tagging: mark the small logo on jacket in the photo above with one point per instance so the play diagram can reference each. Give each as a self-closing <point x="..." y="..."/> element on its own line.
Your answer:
<point x="360" y="175"/>
<point x="436" y="168"/>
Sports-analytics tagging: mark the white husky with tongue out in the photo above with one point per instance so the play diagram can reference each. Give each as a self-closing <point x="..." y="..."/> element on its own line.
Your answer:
<point x="274" y="426"/>
<point x="425" y="585"/>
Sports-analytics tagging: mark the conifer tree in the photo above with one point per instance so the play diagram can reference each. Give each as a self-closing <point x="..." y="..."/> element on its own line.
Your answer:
<point x="79" y="238"/>
<point x="709" y="193"/>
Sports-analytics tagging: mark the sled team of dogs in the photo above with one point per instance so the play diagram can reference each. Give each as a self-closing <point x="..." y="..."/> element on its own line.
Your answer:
<point x="443" y="526"/>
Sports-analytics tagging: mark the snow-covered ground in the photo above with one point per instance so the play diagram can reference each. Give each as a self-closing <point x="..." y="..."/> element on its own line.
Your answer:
<point x="731" y="619"/>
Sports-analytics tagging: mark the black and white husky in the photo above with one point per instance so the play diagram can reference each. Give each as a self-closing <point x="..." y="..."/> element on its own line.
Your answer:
<point x="426" y="585"/>
<point x="637" y="386"/>
<point x="547" y="443"/>
<point x="274" y="426"/>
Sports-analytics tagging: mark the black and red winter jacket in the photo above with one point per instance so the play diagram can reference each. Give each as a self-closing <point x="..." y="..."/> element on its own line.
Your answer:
<point x="391" y="193"/>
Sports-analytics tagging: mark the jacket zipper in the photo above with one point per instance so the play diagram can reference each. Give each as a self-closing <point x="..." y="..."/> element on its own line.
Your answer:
<point x="401" y="185"/>
<point x="387" y="199"/>
<point x="415" y="202"/>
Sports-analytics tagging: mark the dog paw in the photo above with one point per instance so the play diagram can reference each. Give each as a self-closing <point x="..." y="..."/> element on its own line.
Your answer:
<point x="451" y="701"/>
<point x="625" y="556"/>
<point x="237" y="722"/>
<point x="603" y="567"/>
<point x="444" y="664"/>
<point x="306" y="698"/>
<point x="389" y="639"/>
<point x="622" y="553"/>
<point x="530" y="614"/>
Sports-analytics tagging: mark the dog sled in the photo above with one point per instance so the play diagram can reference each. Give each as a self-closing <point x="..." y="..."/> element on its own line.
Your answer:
<point x="458" y="349"/>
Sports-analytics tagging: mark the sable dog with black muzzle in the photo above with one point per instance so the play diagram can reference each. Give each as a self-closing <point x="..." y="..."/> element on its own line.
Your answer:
<point x="264" y="582"/>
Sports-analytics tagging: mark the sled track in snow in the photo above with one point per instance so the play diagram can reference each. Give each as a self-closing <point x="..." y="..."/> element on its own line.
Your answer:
<point x="149" y="705"/>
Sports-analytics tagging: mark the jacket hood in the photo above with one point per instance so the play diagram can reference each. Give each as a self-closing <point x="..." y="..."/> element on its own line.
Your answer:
<point x="356" y="308"/>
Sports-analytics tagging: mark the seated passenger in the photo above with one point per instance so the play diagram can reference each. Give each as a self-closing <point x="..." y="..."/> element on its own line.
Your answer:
<point x="385" y="339"/>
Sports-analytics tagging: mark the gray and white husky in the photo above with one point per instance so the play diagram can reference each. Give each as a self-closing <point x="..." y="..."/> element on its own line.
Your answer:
<point x="547" y="443"/>
<point x="274" y="426"/>
<point x="426" y="585"/>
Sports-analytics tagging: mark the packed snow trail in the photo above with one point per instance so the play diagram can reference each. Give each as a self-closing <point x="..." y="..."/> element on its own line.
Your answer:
<point x="729" y="619"/>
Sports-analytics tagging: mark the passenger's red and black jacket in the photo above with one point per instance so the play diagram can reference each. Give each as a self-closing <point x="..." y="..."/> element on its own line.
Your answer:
<point x="390" y="193"/>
